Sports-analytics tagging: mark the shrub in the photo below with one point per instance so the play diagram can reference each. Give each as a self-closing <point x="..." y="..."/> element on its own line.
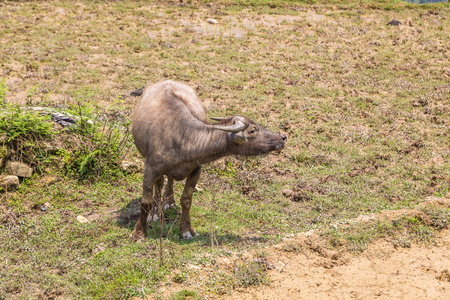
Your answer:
<point x="93" y="147"/>
<point x="23" y="131"/>
<point x="98" y="145"/>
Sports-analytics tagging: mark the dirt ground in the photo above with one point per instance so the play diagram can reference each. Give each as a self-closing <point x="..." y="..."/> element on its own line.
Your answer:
<point x="381" y="272"/>
<point x="365" y="106"/>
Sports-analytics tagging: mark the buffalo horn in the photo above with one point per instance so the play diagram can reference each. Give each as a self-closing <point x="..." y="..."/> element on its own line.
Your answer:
<point x="238" y="125"/>
<point x="218" y="118"/>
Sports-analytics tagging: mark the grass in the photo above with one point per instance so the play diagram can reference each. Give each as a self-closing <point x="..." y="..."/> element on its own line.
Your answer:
<point x="365" y="107"/>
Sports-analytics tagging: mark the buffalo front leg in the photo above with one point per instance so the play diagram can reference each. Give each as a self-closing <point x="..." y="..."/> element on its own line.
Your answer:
<point x="140" y="229"/>
<point x="169" y="200"/>
<point x="187" y="232"/>
<point x="156" y="212"/>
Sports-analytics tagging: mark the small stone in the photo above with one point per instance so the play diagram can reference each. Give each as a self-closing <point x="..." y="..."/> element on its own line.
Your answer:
<point x="49" y="180"/>
<point x="9" y="183"/>
<point x="288" y="193"/>
<point x="394" y="23"/>
<point x="82" y="219"/>
<point x="18" y="169"/>
<point x="131" y="167"/>
<point x="355" y="173"/>
<point x="212" y="21"/>
<point x="51" y="149"/>
<point x="394" y="199"/>
<point x="46" y="206"/>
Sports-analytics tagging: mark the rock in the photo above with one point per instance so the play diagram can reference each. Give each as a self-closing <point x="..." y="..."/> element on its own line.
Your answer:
<point x="46" y="206"/>
<point x="9" y="183"/>
<point x="137" y="92"/>
<point x="51" y="149"/>
<point x="49" y="180"/>
<point x="288" y="193"/>
<point x="18" y="169"/>
<point x="131" y="167"/>
<point x="82" y="219"/>
<point x="394" y="23"/>
<point x="3" y="154"/>
<point x="212" y="21"/>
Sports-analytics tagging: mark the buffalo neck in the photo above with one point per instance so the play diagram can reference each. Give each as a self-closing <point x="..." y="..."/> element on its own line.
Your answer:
<point x="205" y="143"/>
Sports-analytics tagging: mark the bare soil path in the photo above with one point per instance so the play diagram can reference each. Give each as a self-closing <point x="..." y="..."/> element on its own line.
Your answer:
<point x="380" y="272"/>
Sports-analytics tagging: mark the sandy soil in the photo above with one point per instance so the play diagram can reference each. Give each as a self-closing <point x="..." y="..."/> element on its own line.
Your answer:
<point x="380" y="272"/>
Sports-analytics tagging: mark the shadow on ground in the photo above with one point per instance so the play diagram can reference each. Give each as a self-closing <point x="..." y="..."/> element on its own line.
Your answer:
<point x="127" y="217"/>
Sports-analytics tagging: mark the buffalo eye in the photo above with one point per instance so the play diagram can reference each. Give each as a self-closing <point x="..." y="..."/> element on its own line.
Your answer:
<point x="254" y="130"/>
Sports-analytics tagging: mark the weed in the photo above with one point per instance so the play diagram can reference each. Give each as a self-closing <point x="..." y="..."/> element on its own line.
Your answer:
<point x="185" y="294"/>
<point x="3" y="91"/>
<point x="440" y="217"/>
<point x="180" y="277"/>
<point x="31" y="94"/>
<point x="249" y="273"/>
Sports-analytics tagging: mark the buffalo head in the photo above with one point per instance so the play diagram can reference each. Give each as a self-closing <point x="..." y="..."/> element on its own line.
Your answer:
<point x="248" y="138"/>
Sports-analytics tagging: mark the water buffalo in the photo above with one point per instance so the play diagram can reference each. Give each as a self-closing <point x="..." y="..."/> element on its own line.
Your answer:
<point x="172" y="132"/>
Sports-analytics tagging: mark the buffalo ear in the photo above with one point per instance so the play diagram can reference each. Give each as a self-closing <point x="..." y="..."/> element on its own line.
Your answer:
<point x="238" y="137"/>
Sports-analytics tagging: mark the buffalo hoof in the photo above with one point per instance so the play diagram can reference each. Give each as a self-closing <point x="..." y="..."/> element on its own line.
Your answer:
<point x="169" y="205"/>
<point x="153" y="218"/>
<point x="188" y="235"/>
<point x="137" y="236"/>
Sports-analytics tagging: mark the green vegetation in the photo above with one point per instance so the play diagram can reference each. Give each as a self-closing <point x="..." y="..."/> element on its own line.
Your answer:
<point x="23" y="132"/>
<point x="415" y="227"/>
<point x="365" y="107"/>
<point x="88" y="150"/>
<point x="100" y="145"/>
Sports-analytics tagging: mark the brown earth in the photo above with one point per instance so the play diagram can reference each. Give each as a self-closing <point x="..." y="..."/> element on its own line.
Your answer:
<point x="381" y="272"/>
<point x="338" y="46"/>
<point x="304" y="266"/>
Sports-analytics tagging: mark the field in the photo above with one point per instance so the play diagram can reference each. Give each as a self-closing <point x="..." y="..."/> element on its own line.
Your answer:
<point x="365" y="174"/>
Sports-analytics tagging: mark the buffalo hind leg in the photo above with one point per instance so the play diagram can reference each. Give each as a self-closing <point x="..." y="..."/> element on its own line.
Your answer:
<point x="168" y="200"/>
<point x="187" y="232"/>
<point x="140" y="229"/>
